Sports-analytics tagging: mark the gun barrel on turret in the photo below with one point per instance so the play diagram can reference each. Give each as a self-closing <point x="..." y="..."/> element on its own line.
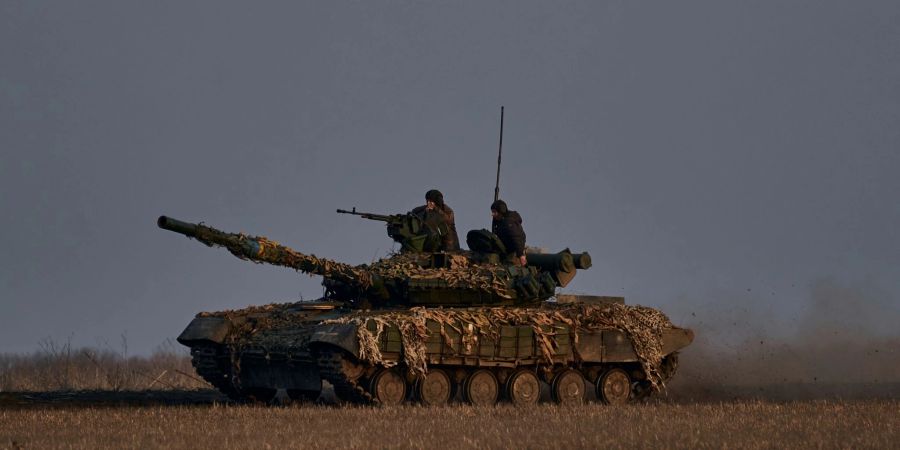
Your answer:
<point x="185" y="228"/>
<point x="264" y="251"/>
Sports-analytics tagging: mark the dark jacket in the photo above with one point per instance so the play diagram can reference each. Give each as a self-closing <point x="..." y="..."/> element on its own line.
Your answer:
<point x="443" y="220"/>
<point x="509" y="229"/>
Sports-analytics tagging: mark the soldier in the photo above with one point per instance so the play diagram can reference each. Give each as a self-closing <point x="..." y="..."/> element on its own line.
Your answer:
<point x="438" y="216"/>
<point x="507" y="225"/>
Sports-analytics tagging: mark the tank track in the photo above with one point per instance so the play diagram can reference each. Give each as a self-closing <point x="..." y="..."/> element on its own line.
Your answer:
<point x="669" y="366"/>
<point x="331" y="362"/>
<point x="331" y="368"/>
<point x="207" y="363"/>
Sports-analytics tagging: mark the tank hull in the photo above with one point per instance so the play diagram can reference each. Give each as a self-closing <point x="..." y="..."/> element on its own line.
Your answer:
<point x="375" y="356"/>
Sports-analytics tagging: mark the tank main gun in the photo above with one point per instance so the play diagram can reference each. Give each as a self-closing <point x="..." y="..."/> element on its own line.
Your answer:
<point x="264" y="251"/>
<point x="409" y="278"/>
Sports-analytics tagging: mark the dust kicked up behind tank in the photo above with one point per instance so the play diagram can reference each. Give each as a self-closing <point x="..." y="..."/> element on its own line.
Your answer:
<point x="431" y="327"/>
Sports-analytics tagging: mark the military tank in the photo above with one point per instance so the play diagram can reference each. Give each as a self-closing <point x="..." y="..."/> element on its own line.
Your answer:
<point x="431" y="326"/>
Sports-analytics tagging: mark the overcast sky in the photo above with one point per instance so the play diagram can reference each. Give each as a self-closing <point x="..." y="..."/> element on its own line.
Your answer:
<point x="717" y="155"/>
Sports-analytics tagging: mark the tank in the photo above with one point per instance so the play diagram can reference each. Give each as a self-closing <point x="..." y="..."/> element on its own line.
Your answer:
<point x="431" y="326"/>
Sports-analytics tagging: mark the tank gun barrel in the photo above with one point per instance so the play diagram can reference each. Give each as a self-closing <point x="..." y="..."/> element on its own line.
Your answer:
<point x="261" y="250"/>
<point x="185" y="228"/>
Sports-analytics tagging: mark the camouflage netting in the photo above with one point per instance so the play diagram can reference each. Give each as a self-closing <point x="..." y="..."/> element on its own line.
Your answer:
<point x="269" y="325"/>
<point x="275" y="326"/>
<point x="272" y="309"/>
<point x="642" y="325"/>
<point x="265" y="317"/>
<point x="461" y="274"/>
<point x="271" y="252"/>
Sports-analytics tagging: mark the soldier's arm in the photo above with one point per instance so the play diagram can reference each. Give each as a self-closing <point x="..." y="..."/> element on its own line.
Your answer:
<point x="517" y="236"/>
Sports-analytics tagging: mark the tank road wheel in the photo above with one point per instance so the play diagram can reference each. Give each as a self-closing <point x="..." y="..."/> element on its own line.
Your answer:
<point x="388" y="387"/>
<point x="523" y="388"/>
<point x="614" y="387"/>
<point x="434" y="388"/>
<point x="568" y="387"/>
<point x="480" y="388"/>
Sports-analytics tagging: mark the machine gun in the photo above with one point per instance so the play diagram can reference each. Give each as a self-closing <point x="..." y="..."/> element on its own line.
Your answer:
<point x="371" y="216"/>
<point x="409" y="230"/>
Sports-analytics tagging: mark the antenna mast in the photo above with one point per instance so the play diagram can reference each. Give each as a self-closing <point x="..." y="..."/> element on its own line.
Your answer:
<point x="499" y="156"/>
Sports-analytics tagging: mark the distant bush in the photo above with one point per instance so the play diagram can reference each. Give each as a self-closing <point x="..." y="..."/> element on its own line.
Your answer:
<point x="57" y="366"/>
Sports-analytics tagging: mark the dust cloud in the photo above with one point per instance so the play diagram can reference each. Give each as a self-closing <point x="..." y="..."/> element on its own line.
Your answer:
<point x="843" y="343"/>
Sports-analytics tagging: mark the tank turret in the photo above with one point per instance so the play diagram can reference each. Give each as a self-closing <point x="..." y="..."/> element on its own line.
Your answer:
<point x="413" y="278"/>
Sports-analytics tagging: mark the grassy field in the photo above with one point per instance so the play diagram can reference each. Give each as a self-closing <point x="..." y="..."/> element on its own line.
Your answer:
<point x="60" y="397"/>
<point x="818" y="424"/>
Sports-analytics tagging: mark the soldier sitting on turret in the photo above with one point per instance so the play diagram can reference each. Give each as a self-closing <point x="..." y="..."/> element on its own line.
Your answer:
<point x="439" y="218"/>
<point x="507" y="225"/>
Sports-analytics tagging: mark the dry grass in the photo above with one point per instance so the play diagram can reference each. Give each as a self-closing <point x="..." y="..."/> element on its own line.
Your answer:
<point x="120" y="414"/>
<point x="60" y="367"/>
<point x="829" y="424"/>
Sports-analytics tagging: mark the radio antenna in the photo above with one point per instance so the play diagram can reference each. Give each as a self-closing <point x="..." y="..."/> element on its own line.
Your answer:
<point x="499" y="156"/>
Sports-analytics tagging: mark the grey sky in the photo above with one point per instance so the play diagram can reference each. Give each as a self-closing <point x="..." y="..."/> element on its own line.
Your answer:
<point x="711" y="156"/>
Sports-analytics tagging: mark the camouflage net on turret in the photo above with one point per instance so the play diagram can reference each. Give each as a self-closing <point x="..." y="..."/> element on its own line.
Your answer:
<point x="461" y="274"/>
<point x="643" y="326"/>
